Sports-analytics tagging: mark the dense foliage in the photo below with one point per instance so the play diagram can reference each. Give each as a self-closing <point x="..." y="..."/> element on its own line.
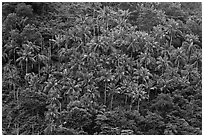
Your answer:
<point x="102" y="68"/>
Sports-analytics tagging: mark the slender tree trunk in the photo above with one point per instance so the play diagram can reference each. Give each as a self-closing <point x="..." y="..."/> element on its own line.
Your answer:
<point x="94" y="26"/>
<point x="50" y="52"/>
<point x="106" y="25"/>
<point x="16" y="93"/>
<point x="32" y="125"/>
<point x="105" y="95"/>
<point x="14" y="58"/>
<point x="26" y="66"/>
<point x="38" y="119"/>
<point x="126" y="97"/>
<point x="22" y="67"/>
<point x="148" y="91"/>
<point x="17" y="128"/>
<point x="131" y="103"/>
<point x="112" y="101"/>
<point x="138" y="105"/>
<point x="170" y="39"/>
<point x="131" y="53"/>
<point x="38" y="69"/>
<point x="178" y="65"/>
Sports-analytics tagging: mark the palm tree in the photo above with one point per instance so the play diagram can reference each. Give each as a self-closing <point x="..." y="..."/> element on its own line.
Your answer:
<point x="141" y="95"/>
<point x="170" y="73"/>
<point x="191" y="72"/>
<point x="4" y="57"/>
<point x="97" y="47"/>
<point x="106" y="77"/>
<point x="144" y="75"/>
<point x="179" y="56"/>
<point x="146" y="59"/>
<point x="34" y="48"/>
<point x="150" y="45"/>
<point x="189" y="49"/>
<point x="10" y="74"/>
<point x="133" y="46"/>
<point x="136" y="91"/>
<point x="120" y="73"/>
<point x="103" y="14"/>
<point x="26" y="56"/>
<point x="93" y="90"/>
<point x="113" y="89"/>
<point x="196" y="59"/>
<point x="58" y="40"/>
<point x="109" y="46"/>
<point x="12" y="48"/>
<point x="124" y="89"/>
<point x="163" y="63"/>
<point x="40" y="58"/>
<point x="64" y="52"/>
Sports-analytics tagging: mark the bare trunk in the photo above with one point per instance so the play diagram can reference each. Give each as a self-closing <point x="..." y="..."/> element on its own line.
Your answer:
<point x="131" y="103"/>
<point x="16" y="93"/>
<point x="106" y="25"/>
<point x="17" y="128"/>
<point x="21" y="66"/>
<point x="38" y="69"/>
<point x="112" y="101"/>
<point x="105" y="95"/>
<point x="32" y="127"/>
<point x="14" y="60"/>
<point x="26" y="66"/>
<point x="126" y="99"/>
<point x="178" y="65"/>
<point x="170" y="39"/>
<point x="131" y="53"/>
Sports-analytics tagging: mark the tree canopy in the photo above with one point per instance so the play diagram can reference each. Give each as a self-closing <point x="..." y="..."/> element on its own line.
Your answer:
<point x="101" y="68"/>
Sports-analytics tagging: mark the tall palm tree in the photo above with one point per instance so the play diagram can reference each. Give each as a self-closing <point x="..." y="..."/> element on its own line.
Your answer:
<point x="124" y="89"/>
<point x="34" y="48"/>
<point x="144" y="75"/>
<point x="10" y="75"/>
<point x="26" y="56"/>
<point x="12" y="49"/>
<point x="189" y="49"/>
<point x="93" y="90"/>
<point x="136" y="91"/>
<point x="113" y="89"/>
<point x="106" y="77"/>
<point x="40" y="58"/>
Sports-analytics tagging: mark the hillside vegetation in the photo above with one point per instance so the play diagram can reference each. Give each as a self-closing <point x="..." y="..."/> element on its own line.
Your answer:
<point x="101" y="68"/>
